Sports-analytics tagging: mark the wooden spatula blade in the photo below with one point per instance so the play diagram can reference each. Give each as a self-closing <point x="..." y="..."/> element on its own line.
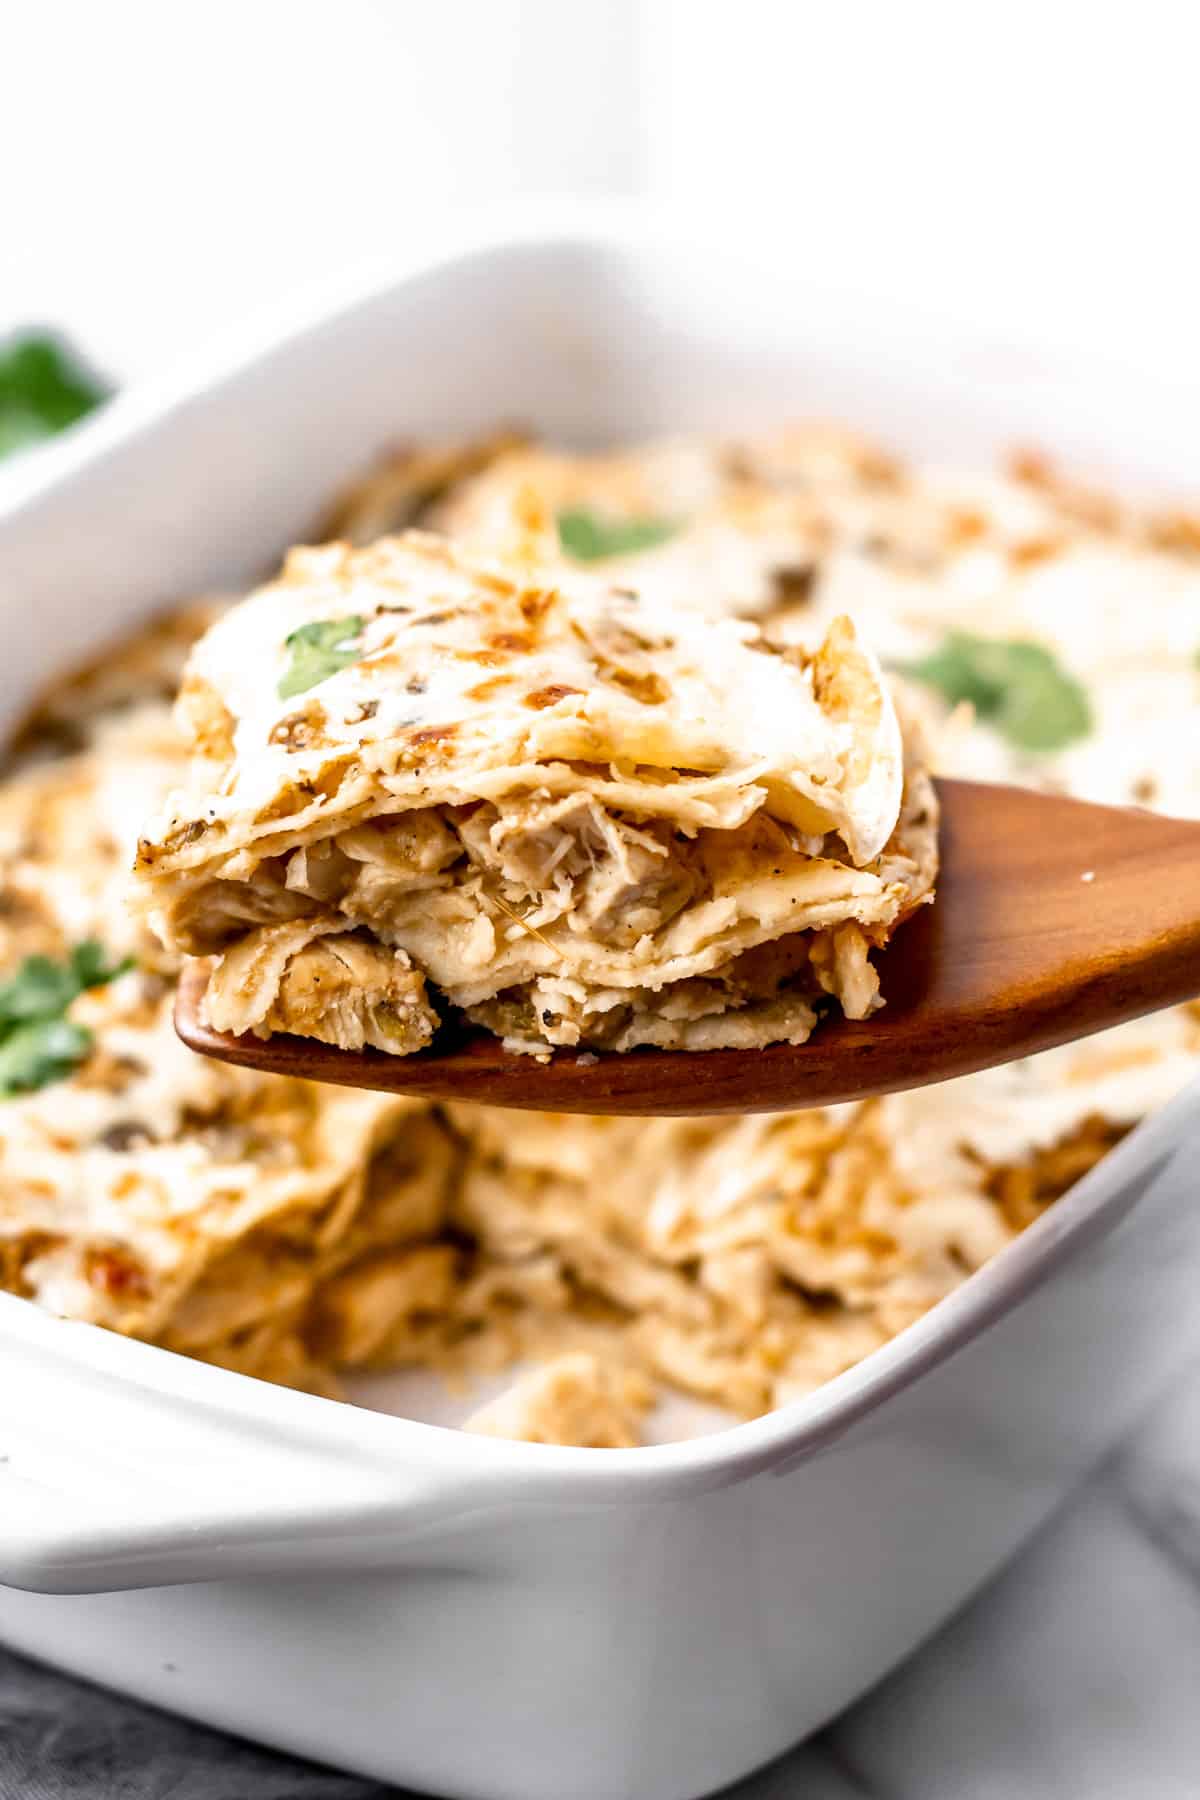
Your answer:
<point x="1053" y="919"/>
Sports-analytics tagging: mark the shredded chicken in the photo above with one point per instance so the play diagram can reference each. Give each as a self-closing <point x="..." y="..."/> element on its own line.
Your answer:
<point x="576" y="1399"/>
<point x="316" y="980"/>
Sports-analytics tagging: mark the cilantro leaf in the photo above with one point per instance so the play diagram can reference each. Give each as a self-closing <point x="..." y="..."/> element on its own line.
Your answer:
<point x="319" y="650"/>
<point x="42" y="390"/>
<point x="590" y="536"/>
<point x="40" y="1052"/>
<point x="40" y="989"/>
<point x="91" y="967"/>
<point x="38" y="1043"/>
<point x="1018" y="687"/>
<point x="43" y="988"/>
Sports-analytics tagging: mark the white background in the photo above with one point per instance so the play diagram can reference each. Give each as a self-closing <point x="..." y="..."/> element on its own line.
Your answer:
<point x="171" y="166"/>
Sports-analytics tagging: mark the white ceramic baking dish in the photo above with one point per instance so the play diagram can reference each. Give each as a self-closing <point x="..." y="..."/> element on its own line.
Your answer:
<point x="459" y="1614"/>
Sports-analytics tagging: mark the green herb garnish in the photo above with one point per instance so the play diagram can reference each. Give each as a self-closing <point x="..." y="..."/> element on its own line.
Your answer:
<point x="42" y="390"/>
<point x="38" y="1043"/>
<point x="1016" y="686"/>
<point x="318" y="651"/>
<point x="36" y="1054"/>
<point x="589" y="536"/>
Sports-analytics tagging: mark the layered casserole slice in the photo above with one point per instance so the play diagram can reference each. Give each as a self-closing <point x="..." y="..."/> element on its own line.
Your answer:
<point x="427" y="782"/>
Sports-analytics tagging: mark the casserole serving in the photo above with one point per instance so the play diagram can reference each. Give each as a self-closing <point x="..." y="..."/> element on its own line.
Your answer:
<point x="577" y="815"/>
<point x="749" y="1583"/>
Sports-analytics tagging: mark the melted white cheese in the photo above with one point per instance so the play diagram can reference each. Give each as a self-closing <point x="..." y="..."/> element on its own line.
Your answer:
<point x="439" y="648"/>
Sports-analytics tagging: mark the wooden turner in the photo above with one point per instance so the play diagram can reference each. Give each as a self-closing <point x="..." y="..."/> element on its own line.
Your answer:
<point x="1053" y="919"/>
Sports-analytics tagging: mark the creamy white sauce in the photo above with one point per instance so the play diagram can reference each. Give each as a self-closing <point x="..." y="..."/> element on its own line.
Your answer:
<point x="729" y="706"/>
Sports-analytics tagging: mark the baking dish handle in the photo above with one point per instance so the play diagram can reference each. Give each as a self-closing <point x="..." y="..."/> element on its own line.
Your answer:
<point x="122" y="1466"/>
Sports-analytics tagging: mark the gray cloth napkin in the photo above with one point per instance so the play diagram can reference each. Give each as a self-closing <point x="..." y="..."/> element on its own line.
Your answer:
<point x="1074" y="1676"/>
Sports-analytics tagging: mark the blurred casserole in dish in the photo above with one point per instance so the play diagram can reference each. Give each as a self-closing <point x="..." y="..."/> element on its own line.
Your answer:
<point x="1044" y="634"/>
